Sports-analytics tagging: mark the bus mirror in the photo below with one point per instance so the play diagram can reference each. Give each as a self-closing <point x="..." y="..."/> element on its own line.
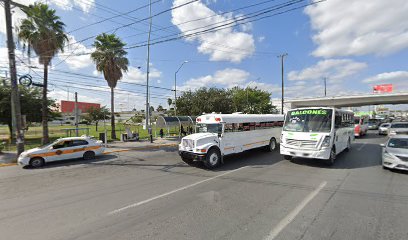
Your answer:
<point x="219" y="135"/>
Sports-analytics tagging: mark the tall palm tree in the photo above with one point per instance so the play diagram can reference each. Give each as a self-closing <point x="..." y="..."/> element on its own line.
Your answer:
<point x="110" y="59"/>
<point x="43" y="32"/>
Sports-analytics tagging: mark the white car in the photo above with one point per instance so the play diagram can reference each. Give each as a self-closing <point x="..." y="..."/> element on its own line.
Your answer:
<point x="384" y="128"/>
<point x="398" y="128"/>
<point x="62" y="149"/>
<point x="395" y="153"/>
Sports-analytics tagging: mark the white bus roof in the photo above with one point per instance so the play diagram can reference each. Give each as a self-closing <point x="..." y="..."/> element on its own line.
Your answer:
<point x="239" y="118"/>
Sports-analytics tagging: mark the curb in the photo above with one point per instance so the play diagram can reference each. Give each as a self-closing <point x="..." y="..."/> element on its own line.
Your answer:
<point x="7" y="164"/>
<point x="144" y="148"/>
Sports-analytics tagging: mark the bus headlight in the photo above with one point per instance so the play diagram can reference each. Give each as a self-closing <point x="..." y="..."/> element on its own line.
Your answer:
<point x="326" y="141"/>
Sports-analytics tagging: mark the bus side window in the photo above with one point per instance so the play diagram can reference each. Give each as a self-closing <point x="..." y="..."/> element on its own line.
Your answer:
<point x="228" y="127"/>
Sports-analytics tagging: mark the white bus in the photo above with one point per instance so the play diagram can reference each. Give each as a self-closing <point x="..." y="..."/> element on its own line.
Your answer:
<point x="317" y="132"/>
<point x="218" y="135"/>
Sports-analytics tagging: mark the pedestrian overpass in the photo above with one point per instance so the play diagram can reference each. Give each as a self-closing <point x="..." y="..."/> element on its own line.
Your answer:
<point x="350" y="101"/>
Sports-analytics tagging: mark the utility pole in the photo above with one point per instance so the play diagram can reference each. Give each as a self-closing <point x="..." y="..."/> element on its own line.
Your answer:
<point x="76" y="114"/>
<point x="148" y="66"/>
<point x="282" y="56"/>
<point x="15" y="96"/>
<point x="325" y="84"/>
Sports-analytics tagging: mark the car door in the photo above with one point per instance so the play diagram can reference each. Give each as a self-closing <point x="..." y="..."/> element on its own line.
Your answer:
<point x="78" y="148"/>
<point x="60" y="151"/>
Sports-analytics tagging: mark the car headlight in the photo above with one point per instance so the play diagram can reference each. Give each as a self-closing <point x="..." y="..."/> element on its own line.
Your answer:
<point x="326" y="141"/>
<point x="387" y="155"/>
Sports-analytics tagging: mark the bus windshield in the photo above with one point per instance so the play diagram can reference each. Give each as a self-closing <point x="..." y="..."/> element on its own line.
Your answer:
<point x="209" y="128"/>
<point x="309" y="120"/>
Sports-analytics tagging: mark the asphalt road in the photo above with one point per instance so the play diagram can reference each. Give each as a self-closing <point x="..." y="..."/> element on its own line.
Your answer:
<point x="255" y="195"/>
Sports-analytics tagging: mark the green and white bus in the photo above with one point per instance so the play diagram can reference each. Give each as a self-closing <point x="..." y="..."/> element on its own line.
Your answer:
<point x="317" y="132"/>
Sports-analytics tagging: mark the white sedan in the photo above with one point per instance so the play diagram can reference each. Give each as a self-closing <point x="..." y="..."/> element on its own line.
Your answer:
<point x="62" y="149"/>
<point x="395" y="153"/>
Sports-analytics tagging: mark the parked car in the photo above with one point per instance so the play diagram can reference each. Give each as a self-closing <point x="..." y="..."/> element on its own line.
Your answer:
<point x="62" y="149"/>
<point x="384" y="129"/>
<point x="398" y="128"/>
<point x="373" y="124"/>
<point x="360" y="126"/>
<point x="395" y="153"/>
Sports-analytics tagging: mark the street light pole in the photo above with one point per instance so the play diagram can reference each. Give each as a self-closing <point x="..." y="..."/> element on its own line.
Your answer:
<point x="175" y="87"/>
<point x="282" y="56"/>
<point x="325" y="84"/>
<point x="148" y="66"/>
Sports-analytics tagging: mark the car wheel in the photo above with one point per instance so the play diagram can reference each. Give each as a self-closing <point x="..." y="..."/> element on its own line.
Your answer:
<point x="88" y="155"/>
<point x="287" y="157"/>
<point x="332" y="157"/>
<point x="272" y="145"/>
<point x="37" y="162"/>
<point x="213" y="158"/>
<point x="348" y="145"/>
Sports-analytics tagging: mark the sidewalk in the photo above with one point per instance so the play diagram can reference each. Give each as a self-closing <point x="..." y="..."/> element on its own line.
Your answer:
<point x="144" y="144"/>
<point x="9" y="158"/>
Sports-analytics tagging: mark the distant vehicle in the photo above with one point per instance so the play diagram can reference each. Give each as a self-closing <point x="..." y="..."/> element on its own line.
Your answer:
<point x="218" y="135"/>
<point x="384" y="128"/>
<point x="360" y="126"/>
<point x="398" y="128"/>
<point x="395" y="153"/>
<point x="373" y="124"/>
<point x="320" y="133"/>
<point x="62" y="149"/>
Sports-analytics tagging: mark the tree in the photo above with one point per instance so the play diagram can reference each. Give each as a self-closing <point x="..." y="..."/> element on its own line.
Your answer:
<point x="169" y="102"/>
<point x="94" y="115"/>
<point x="110" y="59"/>
<point x="160" y="108"/>
<point x="43" y="31"/>
<point x="137" y="118"/>
<point x="151" y="110"/>
<point x="249" y="100"/>
<point x="31" y="104"/>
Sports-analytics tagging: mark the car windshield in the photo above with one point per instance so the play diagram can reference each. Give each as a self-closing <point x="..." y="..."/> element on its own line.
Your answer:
<point x="399" y="125"/>
<point x="398" y="143"/>
<point x="310" y="120"/>
<point x="209" y="128"/>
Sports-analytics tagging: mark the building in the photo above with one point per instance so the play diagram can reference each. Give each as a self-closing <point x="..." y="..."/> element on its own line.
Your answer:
<point x="69" y="106"/>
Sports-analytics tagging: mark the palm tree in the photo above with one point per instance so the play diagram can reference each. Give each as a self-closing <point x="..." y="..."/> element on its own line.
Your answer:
<point x="110" y="59"/>
<point x="43" y="31"/>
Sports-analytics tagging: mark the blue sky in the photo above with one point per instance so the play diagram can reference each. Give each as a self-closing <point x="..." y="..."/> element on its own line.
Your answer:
<point x="354" y="49"/>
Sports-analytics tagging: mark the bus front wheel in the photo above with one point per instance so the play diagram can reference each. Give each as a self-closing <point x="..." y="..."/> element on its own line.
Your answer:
<point x="287" y="157"/>
<point x="272" y="145"/>
<point x="332" y="157"/>
<point x="213" y="158"/>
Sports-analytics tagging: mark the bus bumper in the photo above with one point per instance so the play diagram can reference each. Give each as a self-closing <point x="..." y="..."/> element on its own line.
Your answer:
<point x="192" y="156"/>
<point x="305" y="153"/>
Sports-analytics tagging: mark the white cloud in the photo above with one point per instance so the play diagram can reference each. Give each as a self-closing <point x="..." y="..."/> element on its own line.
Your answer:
<point x="76" y="61"/>
<point x="333" y="69"/>
<point x="359" y="27"/>
<point x="398" y="78"/>
<point x="86" y="6"/>
<point x="228" y="77"/>
<point x="388" y="77"/>
<point x="261" y="38"/>
<point x="136" y="75"/>
<point x="227" y="44"/>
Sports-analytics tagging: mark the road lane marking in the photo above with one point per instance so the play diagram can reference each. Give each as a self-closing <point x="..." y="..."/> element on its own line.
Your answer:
<point x="171" y="192"/>
<point x="291" y="216"/>
<point x="361" y="147"/>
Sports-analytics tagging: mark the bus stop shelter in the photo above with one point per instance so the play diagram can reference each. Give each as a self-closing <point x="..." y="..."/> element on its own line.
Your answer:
<point x="176" y="123"/>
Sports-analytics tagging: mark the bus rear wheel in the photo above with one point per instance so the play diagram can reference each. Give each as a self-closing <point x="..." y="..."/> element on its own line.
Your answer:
<point x="213" y="158"/>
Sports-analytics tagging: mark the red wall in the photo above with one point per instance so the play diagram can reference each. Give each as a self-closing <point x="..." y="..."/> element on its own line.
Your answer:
<point x="69" y="106"/>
